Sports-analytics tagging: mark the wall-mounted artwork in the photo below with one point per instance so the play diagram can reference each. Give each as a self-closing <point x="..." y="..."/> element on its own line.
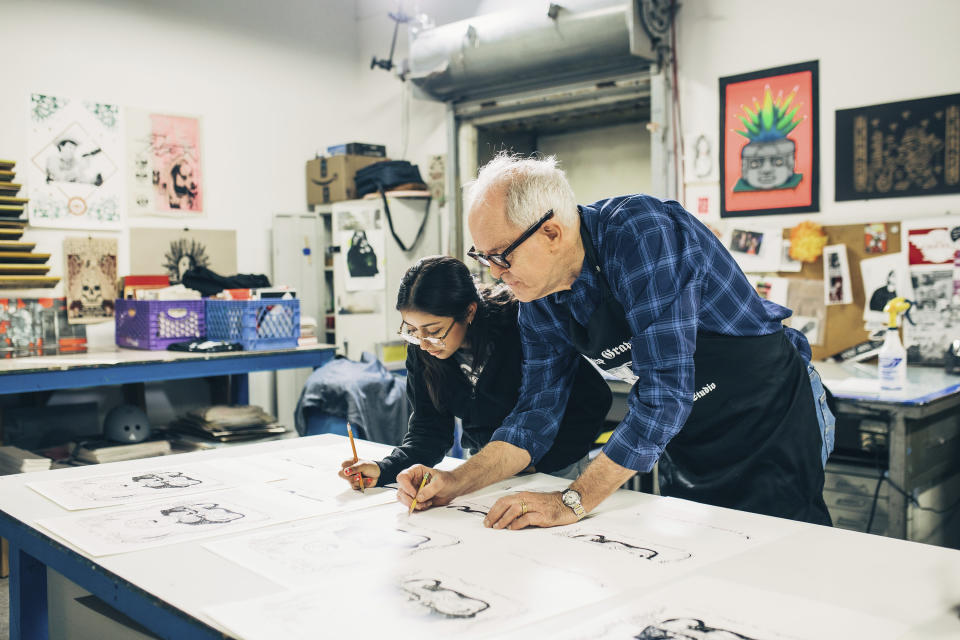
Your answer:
<point x="174" y="251"/>
<point x="899" y="149"/>
<point x="769" y="141"/>
<point x="164" y="164"/>
<point x="75" y="149"/>
<point x="91" y="281"/>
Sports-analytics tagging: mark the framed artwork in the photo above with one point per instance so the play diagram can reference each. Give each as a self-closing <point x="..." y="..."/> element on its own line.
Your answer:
<point x="899" y="149"/>
<point x="769" y="141"/>
<point x="164" y="164"/>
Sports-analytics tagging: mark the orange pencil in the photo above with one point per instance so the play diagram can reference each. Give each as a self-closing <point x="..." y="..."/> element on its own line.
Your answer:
<point x="355" y="458"/>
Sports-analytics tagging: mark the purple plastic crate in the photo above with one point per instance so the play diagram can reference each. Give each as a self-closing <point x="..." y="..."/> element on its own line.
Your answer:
<point x="256" y="324"/>
<point x="155" y="324"/>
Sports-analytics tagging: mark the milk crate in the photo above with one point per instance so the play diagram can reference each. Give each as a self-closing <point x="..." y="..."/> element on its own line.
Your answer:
<point x="155" y="324"/>
<point x="256" y="324"/>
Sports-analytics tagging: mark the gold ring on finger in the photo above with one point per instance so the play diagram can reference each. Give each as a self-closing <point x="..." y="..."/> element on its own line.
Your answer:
<point x="523" y="508"/>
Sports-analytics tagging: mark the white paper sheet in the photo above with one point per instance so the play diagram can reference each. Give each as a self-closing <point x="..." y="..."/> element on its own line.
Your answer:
<point x="708" y="608"/>
<point x="884" y="278"/>
<point x="756" y="249"/>
<point x="144" y="485"/>
<point x="435" y="594"/>
<point x="122" y="529"/>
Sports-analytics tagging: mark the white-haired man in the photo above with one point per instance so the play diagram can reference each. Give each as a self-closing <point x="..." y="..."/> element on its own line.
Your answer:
<point x="722" y="394"/>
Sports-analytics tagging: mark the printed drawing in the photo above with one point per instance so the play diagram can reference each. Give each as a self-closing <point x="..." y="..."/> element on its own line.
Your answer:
<point x="468" y="507"/>
<point x="441" y="600"/>
<point x="620" y="543"/>
<point x="130" y="487"/>
<point x="152" y="523"/>
<point x="687" y="629"/>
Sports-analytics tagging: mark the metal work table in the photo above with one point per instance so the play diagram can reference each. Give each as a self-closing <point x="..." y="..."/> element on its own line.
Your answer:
<point x="167" y="589"/>
<point x="130" y="366"/>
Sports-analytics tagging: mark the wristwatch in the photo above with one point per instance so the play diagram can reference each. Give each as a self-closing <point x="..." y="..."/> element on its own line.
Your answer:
<point x="571" y="498"/>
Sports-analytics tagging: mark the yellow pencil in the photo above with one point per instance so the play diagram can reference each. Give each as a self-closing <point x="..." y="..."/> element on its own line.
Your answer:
<point x="426" y="479"/>
<point x="355" y="458"/>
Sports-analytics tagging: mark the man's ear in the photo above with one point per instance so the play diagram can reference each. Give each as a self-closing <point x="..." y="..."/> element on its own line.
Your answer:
<point x="553" y="231"/>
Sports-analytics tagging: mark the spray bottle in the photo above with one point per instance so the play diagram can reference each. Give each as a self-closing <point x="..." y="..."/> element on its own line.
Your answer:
<point x="892" y="355"/>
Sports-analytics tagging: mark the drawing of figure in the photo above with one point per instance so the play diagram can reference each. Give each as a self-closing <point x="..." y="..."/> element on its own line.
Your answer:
<point x="202" y="513"/>
<point x="184" y="254"/>
<point x="884" y="294"/>
<point x="165" y="480"/>
<point x="598" y="538"/>
<point x="687" y="629"/>
<point x="442" y="600"/>
<point x="361" y="258"/>
<point x="183" y="189"/>
<point x="67" y="166"/>
<point x="150" y="524"/>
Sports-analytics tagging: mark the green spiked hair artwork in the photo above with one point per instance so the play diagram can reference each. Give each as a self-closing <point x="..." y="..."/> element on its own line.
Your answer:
<point x="769" y="158"/>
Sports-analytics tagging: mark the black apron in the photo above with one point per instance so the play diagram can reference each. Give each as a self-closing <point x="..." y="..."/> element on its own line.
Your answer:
<point x="752" y="440"/>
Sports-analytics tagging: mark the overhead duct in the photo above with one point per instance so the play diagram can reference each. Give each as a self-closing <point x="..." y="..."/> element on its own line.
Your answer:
<point x="529" y="48"/>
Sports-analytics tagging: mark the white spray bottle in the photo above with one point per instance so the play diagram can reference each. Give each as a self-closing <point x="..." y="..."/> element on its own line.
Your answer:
<point x="892" y="356"/>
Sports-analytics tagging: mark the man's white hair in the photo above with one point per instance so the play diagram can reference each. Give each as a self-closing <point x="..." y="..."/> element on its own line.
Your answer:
<point x="532" y="187"/>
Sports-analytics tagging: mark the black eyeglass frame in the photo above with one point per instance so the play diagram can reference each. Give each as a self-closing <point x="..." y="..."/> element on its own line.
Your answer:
<point x="500" y="259"/>
<point x="436" y="341"/>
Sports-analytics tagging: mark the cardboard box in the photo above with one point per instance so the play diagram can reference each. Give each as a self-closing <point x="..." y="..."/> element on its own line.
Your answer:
<point x="358" y="149"/>
<point x="331" y="179"/>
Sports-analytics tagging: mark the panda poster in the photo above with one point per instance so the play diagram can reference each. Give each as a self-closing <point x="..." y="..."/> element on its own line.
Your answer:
<point x="91" y="281"/>
<point x="75" y="152"/>
<point x="361" y="237"/>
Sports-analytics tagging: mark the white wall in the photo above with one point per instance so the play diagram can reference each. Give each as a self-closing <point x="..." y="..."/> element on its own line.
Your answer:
<point x="869" y="53"/>
<point x="603" y="162"/>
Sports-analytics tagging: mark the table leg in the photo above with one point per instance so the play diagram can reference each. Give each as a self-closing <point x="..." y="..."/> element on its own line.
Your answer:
<point x="28" y="596"/>
<point x="239" y="389"/>
<point x="898" y="475"/>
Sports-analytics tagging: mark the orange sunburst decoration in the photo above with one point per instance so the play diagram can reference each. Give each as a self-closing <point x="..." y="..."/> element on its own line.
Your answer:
<point x="807" y="241"/>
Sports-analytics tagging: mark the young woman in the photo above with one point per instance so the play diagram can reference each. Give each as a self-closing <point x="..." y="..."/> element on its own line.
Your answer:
<point x="467" y="364"/>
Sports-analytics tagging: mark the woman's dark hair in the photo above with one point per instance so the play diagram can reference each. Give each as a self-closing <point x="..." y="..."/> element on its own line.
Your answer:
<point x="443" y="286"/>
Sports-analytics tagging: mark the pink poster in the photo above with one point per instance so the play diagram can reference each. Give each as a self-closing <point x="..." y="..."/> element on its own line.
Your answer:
<point x="165" y="163"/>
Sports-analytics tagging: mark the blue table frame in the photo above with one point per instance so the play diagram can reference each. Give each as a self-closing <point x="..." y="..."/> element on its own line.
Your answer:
<point x="31" y="552"/>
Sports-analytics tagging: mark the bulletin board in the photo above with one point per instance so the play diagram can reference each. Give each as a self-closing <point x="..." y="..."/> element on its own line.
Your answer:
<point x="844" y="326"/>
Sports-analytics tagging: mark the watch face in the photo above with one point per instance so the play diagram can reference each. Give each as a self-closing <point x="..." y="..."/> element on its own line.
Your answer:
<point x="570" y="498"/>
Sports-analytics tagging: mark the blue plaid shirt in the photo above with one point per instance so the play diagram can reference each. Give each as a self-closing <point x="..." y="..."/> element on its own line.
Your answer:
<point x="673" y="278"/>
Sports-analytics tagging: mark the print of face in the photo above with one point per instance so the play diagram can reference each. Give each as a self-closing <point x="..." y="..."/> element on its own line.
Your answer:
<point x="767" y="165"/>
<point x="439" y="599"/>
<point x="165" y="480"/>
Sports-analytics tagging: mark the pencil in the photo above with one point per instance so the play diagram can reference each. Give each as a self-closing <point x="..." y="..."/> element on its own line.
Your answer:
<point x="353" y="446"/>
<point x="426" y="479"/>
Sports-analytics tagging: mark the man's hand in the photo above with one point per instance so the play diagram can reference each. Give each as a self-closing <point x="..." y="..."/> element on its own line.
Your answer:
<point x="529" y="509"/>
<point x="440" y="490"/>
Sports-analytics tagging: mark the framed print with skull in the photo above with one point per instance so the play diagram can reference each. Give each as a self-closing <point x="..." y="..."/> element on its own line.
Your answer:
<point x="91" y="281"/>
<point x="769" y="141"/>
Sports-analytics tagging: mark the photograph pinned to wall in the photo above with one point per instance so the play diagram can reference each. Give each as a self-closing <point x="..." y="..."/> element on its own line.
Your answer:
<point x="76" y="150"/>
<point x="164" y="164"/>
<point x="805" y="298"/>
<point x="899" y="149"/>
<point x="91" y="281"/>
<point x="932" y="252"/>
<point x="361" y="238"/>
<point x="437" y="179"/>
<point x="756" y="249"/>
<point x="787" y="262"/>
<point x="173" y="252"/>
<point x="769" y="141"/>
<point x="875" y="238"/>
<point x="884" y="278"/>
<point x="772" y="289"/>
<point x="701" y="158"/>
<point x="837" y="286"/>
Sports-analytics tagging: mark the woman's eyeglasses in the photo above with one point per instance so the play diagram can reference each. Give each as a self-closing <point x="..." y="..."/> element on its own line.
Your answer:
<point x="500" y="259"/>
<point x="407" y="333"/>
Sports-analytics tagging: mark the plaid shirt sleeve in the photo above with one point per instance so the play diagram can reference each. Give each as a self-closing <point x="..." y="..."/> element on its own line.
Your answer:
<point x="549" y="367"/>
<point x="654" y="269"/>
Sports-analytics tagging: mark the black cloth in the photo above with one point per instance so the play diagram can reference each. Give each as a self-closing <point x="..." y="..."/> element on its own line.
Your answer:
<point x="752" y="441"/>
<point x="210" y="283"/>
<point x="430" y="432"/>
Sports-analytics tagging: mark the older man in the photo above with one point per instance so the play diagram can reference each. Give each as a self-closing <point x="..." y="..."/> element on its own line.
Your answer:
<point x="722" y="394"/>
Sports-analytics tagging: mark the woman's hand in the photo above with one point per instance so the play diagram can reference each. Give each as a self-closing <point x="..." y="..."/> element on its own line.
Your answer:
<point x="369" y="470"/>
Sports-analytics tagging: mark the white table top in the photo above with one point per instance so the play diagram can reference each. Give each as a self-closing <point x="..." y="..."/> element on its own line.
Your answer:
<point x="914" y="585"/>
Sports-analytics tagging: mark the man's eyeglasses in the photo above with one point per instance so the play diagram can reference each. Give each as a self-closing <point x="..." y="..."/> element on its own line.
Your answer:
<point x="407" y="333"/>
<point x="500" y="259"/>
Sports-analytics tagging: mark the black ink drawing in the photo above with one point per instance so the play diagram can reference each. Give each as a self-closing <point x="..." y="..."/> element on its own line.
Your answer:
<point x="466" y="508"/>
<point x="184" y="254"/>
<point x="687" y="629"/>
<point x="441" y="600"/>
<point x="150" y="524"/>
<point x="165" y="480"/>
<point x="619" y="543"/>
